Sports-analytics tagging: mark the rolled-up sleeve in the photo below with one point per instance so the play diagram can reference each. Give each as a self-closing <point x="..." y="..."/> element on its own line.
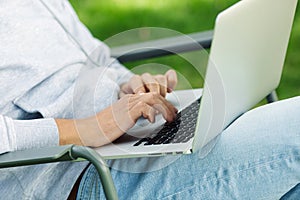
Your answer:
<point x="26" y="134"/>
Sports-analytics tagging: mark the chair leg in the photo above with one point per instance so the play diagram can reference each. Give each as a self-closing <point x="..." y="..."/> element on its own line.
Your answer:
<point x="101" y="167"/>
<point x="272" y="97"/>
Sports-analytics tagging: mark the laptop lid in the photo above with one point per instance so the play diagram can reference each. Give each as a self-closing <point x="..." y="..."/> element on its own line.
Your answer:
<point x="246" y="61"/>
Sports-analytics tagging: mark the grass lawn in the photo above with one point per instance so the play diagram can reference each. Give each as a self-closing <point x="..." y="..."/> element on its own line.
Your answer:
<point x="106" y="18"/>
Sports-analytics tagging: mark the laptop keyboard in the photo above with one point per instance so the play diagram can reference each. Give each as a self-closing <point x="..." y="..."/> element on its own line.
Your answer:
<point x="181" y="130"/>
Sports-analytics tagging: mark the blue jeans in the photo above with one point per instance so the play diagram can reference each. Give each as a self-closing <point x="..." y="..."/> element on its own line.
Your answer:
<point x="257" y="157"/>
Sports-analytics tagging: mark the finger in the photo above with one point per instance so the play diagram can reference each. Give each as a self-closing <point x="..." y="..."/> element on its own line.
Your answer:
<point x="165" y="103"/>
<point x="126" y="88"/>
<point x="136" y="84"/>
<point x="155" y="98"/>
<point x="149" y="113"/>
<point x="162" y="81"/>
<point x="122" y="94"/>
<point x="169" y="114"/>
<point x="142" y="109"/>
<point x="171" y="77"/>
<point x="161" y="104"/>
<point x="150" y="83"/>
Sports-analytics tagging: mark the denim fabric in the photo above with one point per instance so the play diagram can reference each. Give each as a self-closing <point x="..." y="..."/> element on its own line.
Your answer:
<point x="257" y="157"/>
<point x="293" y="194"/>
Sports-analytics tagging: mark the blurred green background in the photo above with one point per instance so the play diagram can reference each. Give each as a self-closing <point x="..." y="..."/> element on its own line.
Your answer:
<point x="106" y="18"/>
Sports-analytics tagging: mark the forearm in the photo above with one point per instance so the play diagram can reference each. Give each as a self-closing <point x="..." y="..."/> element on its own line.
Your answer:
<point x="68" y="133"/>
<point x="93" y="131"/>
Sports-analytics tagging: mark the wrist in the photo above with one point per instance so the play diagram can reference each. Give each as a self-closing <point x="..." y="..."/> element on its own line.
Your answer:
<point x="68" y="133"/>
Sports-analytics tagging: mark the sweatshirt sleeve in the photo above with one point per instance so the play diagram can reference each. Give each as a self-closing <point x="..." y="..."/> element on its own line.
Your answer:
<point x="25" y="134"/>
<point x="123" y="73"/>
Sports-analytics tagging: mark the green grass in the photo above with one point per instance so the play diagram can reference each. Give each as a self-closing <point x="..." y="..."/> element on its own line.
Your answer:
<point x="107" y="18"/>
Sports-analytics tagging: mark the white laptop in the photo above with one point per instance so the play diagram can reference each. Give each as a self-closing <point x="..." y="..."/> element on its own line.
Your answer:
<point x="246" y="59"/>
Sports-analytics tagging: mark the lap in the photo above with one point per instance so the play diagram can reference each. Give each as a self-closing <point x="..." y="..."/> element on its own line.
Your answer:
<point x="256" y="157"/>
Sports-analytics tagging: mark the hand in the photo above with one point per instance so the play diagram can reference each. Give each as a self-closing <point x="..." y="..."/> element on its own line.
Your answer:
<point x="160" y="84"/>
<point x="115" y="120"/>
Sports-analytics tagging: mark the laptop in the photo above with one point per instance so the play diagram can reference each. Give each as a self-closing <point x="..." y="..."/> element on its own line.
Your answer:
<point x="245" y="65"/>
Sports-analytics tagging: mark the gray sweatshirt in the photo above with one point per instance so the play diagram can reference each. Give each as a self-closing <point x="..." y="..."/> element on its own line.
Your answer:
<point x="50" y="67"/>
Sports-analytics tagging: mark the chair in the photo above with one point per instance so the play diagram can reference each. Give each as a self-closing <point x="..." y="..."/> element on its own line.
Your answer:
<point x="158" y="48"/>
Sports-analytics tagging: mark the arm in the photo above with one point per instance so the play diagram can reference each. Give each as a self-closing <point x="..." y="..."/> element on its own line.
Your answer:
<point x="103" y="128"/>
<point x="141" y="96"/>
<point x="112" y="122"/>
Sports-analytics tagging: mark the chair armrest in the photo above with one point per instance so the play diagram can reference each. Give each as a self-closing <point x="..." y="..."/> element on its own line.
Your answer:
<point x="163" y="47"/>
<point x="62" y="153"/>
<point x="36" y="156"/>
